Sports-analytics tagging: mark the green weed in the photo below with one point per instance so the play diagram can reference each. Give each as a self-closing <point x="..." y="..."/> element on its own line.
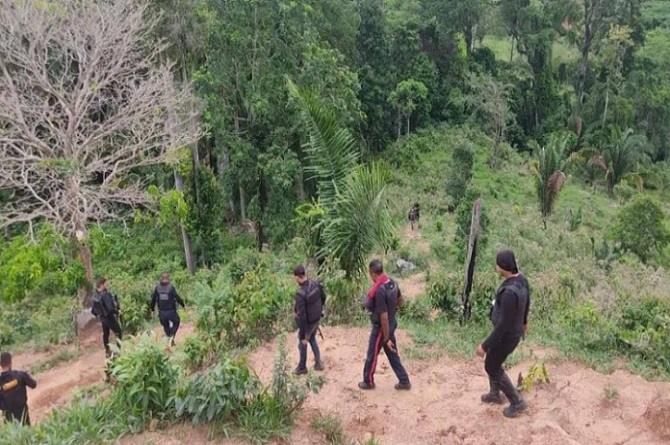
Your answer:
<point x="59" y="357"/>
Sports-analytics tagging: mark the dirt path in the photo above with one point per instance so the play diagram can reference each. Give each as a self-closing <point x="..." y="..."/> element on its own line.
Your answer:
<point x="443" y="407"/>
<point x="56" y="386"/>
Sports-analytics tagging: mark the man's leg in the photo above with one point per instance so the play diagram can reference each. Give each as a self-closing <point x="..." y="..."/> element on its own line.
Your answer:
<point x="25" y="418"/>
<point x="302" y="364"/>
<point x="105" y="335"/>
<point x="374" y="346"/>
<point x="176" y="321"/>
<point x="315" y="348"/>
<point x="396" y="363"/>
<point x="165" y="322"/>
<point x="495" y="358"/>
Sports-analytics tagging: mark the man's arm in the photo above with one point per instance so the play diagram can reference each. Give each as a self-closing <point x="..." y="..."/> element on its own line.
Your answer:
<point x="154" y="299"/>
<point x="401" y="300"/>
<point x="301" y="319"/>
<point x="107" y="302"/>
<point x="177" y="297"/>
<point x="507" y="308"/>
<point x="29" y="381"/>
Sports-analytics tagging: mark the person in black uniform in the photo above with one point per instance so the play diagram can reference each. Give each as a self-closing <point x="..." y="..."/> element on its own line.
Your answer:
<point x="309" y="301"/>
<point x="509" y="315"/>
<point x="167" y="298"/>
<point x="106" y="307"/>
<point x="13" y="394"/>
<point x="382" y="301"/>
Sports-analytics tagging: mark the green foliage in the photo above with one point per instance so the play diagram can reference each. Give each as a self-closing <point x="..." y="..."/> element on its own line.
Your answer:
<point x="216" y="394"/>
<point x="537" y="374"/>
<point x="197" y="351"/>
<point x="549" y="176"/>
<point x="418" y="309"/>
<point x="620" y="157"/>
<point x="44" y="321"/>
<point x="273" y="412"/>
<point x="409" y="96"/>
<point x="360" y="221"/>
<point x="331" y="428"/>
<point x="42" y="268"/>
<point x="640" y="228"/>
<point x="145" y="378"/>
<point x="461" y="170"/>
<point x="243" y="312"/>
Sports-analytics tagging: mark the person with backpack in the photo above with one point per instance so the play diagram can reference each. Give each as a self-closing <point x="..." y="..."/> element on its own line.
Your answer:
<point x="309" y="303"/>
<point x="509" y="315"/>
<point x="106" y="307"/>
<point x="13" y="394"/>
<point x="167" y="299"/>
<point x="382" y="302"/>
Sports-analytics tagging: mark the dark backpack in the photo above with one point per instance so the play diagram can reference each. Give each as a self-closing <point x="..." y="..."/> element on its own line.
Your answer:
<point x="314" y="301"/>
<point x="97" y="309"/>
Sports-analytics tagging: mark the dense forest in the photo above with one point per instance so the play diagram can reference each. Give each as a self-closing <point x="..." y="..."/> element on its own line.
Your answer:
<point x="225" y="141"/>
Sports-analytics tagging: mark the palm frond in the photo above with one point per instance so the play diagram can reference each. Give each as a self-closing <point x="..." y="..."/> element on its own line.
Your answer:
<point x="598" y="161"/>
<point x="550" y="178"/>
<point x="361" y="220"/>
<point x="331" y="151"/>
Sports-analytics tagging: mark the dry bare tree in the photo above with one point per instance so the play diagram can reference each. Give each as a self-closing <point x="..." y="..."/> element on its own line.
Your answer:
<point x="85" y="104"/>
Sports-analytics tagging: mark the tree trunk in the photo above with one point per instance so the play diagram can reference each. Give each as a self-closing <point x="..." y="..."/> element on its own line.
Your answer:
<point x="399" y="126"/>
<point x="186" y="240"/>
<point x="224" y="165"/>
<point x="511" y="51"/>
<point x="87" y="262"/>
<point x="243" y="204"/>
<point x="607" y="102"/>
<point x="586" y="49"/>
<point x="408" y="124"/>
<point x="475" y="230"/>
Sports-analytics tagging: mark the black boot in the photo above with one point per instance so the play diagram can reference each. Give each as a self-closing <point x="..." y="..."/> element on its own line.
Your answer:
<point x="517" y="404"/>
<point x="494" y="395"/>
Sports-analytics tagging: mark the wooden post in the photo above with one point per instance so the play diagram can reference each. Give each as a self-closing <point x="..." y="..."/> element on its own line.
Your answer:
<point x="475" y="230"/>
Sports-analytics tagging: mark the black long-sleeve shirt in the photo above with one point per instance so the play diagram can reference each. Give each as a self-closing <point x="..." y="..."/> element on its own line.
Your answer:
<point x="13" y="395"/>
<point x="109" y="304"/>
<point x="166" y="297"/>
<point x="510" y="311"/>
<point x="309" y="301"/>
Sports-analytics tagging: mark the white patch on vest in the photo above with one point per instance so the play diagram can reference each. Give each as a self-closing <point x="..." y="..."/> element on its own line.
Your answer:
<point x="164" y="297"/>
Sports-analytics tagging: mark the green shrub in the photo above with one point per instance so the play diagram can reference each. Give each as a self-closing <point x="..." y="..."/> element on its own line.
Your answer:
<point x="273" y="412"/>
<point x="54" y="320"/>
<point x="197" y="351"/>
<point x="418" y="309"/>
<point x="640" y="227"/>
<point x="589" y="328"/>
<point x="242" y="312"/>
<point x="460" y="174"/>
<point x="217" y="393"/>
<point x="43" y="268"/>
<point x="145" y="378"/>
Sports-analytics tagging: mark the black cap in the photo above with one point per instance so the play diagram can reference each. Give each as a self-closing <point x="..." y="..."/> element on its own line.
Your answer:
<point x="506" y="261"/>
<point x="299" y="271"/>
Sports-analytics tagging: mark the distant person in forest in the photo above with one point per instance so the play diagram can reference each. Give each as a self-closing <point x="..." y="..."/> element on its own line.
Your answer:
<point x="13" y="394"/>
<point x="414" y="215"/>
<point x="167" y="299"/>
<point x="382" y="302"/>
<point x="509" y="315"/>
<point x="106" y="307"/>
<point x="309" y="302"/>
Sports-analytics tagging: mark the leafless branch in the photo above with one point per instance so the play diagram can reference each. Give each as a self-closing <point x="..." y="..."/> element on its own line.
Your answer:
<point x="84" y="102"/>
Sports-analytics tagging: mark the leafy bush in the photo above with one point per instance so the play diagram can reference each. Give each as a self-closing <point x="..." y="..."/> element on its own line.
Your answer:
<point x="273" y="412"/>
<point x="461" y="171"/>
<point x="244" y="311"/>
<point x="217" y="393"/>
<point x="44" y="267"/>
<point x="588" y="327"/>
<point x="134" y="297"/>
<point x="54" y="321"/>
<point x="145" y="377"/>
<point x="640" y="227"/>
<point x="418" y="309"/>
<point x="197" y="351"/>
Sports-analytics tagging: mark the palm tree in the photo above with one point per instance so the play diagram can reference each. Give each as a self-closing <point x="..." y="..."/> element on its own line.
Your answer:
<point x="549" y="176"/>
<point x="620" y="157"/>
<point x="356" y="217"/>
